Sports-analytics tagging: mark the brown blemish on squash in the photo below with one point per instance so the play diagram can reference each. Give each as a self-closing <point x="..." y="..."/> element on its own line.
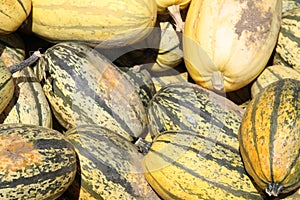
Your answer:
<point x="17" y="152"/>
<point x="254" y="21"/>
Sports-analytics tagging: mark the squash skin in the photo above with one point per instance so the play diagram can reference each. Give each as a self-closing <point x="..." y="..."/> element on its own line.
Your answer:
<point x="195" y="145"/>
<point x="84" y="87"/>
<point x="110" y="166"/>
<point x="287" y="51"/>
<point x="12" y="14"/>
<point x="7" y="86"/>
<point x="271" y="74"/>
<point x="36" y="162"/>
<point x="102" y="23"/>
<point x="28" y="104"/>
<point x="206" y="52"/>
<point x="162" y="5"/>
<point x="290" y="5"/>
<point x="269" y="137"/>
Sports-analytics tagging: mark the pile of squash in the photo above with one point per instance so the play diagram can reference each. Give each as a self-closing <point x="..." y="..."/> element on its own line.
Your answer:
<point x="150" y="99"/>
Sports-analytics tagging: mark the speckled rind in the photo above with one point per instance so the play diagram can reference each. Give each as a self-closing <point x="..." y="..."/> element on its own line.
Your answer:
<point x="36" y="162"/>
<point x="195" y="151"/>
<point x="269" y="136"/>
<point x="83" y="87"/>
<point x="110" y="166"/>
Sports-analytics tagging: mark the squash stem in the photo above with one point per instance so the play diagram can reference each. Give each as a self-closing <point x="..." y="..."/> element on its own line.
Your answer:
<point x="217" y="81"/>
<point x="33" y="58"/>
<point x="176" y="15"/>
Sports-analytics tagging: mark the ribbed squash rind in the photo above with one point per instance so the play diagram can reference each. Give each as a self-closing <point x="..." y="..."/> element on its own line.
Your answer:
<point x="271" y="74"/>
<point x="83" y="87"/>
<point x="269" y="137"/>
<point x="234" y="39"/>
<point x="28" y="104"/>
<point x="12" y="14"/>
<point x="102" y="23"/>
<point x="287" y="51"/>
<point x="36" y="162"/>
<point x="195" y="151"/>
<point x="110" y="166"/>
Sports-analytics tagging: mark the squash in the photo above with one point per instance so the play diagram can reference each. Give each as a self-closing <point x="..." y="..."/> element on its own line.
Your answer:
<point x="191" y="165"/>
<point x="83" y="87"/>
<point x="102" y="23"/>
<point x="162" y="5"/>
<point x="110" y="166"/>
<point x="269" y="137"/>
<point x="36" y="162"/>
<point x="188" y="106"/>
<point x="159" y="51"/>
<point x="161" y="80"/>
<point x="142" y="81"/>
<point x="173" y="7"/>
<point x="271" y="74"/>
<point x="12" y="14"/>
<point x="28" y="104"/>
<point x="290" y="5"/>
<point x="6" y="86"/>
<point x="287" y="51"/>
<point x="195" y="149"/>
<point x="12" y="51"/>
<point x="226" y="44"/>
<point x="169" y="54"/>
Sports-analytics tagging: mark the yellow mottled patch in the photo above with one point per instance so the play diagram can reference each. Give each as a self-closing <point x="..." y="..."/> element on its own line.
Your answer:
<point x="17" y="152"/>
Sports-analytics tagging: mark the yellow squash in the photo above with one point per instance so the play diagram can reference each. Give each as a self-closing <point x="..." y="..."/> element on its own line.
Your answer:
<point x="12" y="14"/>
<point x="227" y="43"/>
<point x="106" y="23"/>
<point x="173" y="7"/>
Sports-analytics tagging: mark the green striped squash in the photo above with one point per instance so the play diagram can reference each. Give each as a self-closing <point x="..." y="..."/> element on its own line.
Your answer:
<point x="141" y="79"/>
<point x="12" y="14"/>
<point x="191" y="165"/>
<point x="269" y="137"/>
<point x="83" y="87"/>
<point x="183" y="164"/>
<point x="102" y="23"/>
<point x="28" y="104"/>
<point x="290" y="5"/>
<point x="6" y="86"/>
<point x="287" y="51"/>
<point x="187" y="106"/>
<point x="35" y="163"/>
<point x="110" y="166"/>
<point x="159" y="51"/>
<point x="12" y="51"/>
<point x="166" y="44"/>
<point x="272" y="74"/>
<point x="167" y="77"/>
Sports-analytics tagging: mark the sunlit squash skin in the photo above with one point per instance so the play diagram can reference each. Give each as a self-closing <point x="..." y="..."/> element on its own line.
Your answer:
<point x="269" y="137"/>
<point x="162" y="5"/>
<point x="227" y="44"/>
<point x="102" y="23"/>
<point x="12" y="14"/>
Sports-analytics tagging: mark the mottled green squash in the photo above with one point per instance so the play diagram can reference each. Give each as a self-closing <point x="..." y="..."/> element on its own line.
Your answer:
<point x="83" y="87"/>
<point x="287" y="51"/>
<point x="28" y="104"/>
<point x="271" y="74"/>
<point x="35" y="162"/>
<point x="110" y="166"/>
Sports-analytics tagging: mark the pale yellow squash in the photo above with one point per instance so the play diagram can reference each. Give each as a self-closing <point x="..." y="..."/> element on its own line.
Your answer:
<point x="227" y="43"/>
<point x="12" y="14"/>
<point x="173" y="8"/>
<point x="102" y="23"/>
